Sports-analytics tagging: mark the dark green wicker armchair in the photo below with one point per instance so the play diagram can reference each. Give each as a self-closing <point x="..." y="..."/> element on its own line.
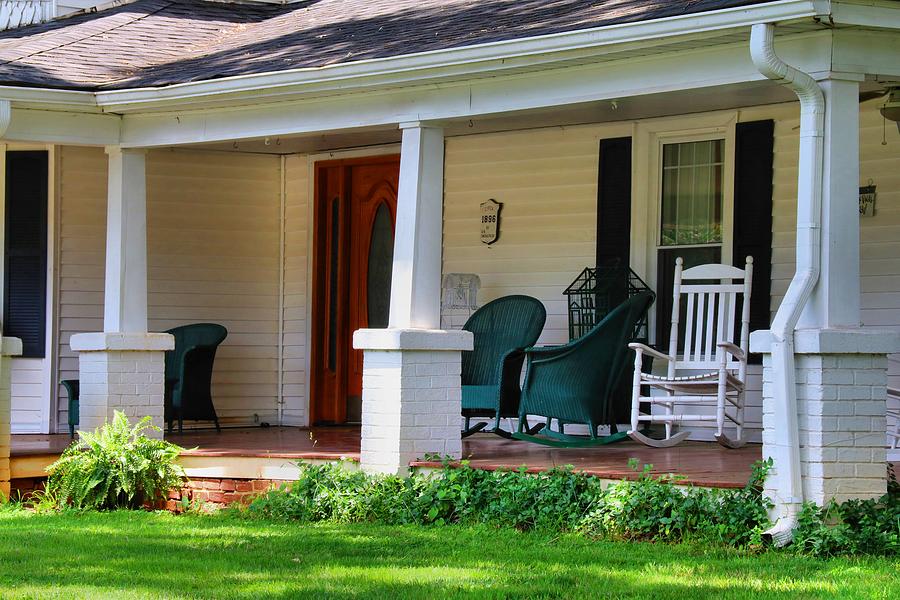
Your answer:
<point x="73" y="390"/>
<point x="502" y="329"/>
<point x="574" y="383"/>
<point x="189" y="373"/>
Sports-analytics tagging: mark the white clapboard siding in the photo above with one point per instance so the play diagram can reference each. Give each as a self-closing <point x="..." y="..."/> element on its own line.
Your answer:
<point x="27" y="391"/>
<point x="213" y="250"/>
<point x="296" y="231"/>
<point x="547" y="182"/>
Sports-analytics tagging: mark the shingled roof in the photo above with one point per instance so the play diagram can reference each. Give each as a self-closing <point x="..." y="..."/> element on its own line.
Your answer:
<point x="163" y="42"/>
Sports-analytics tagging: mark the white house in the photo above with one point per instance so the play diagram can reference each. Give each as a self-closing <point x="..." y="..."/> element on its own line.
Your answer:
<point x="188" y="161"/>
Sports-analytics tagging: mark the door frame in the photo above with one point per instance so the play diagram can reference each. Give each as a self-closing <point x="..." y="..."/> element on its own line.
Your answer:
<point x="378" y="154"/>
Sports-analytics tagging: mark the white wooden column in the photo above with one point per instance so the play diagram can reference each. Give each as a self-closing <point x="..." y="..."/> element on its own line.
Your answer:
<point x="412" y="390"/>
<point x="123" y="367"/>
<point x="835" y="301"/>
<point x="416" y="276"/>
<point x="125" y="294"/>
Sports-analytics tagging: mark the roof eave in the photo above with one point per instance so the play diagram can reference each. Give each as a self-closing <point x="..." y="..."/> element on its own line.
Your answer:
<point x="434" y="66"/>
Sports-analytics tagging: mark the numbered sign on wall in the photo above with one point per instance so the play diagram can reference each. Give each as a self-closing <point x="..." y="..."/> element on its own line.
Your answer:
<point x="490" y="221"/>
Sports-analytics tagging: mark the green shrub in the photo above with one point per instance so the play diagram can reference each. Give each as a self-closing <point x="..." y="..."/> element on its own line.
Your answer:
<point x="854" y="527"/>
<point x="332" y="492"/>
<point x="557" y="500"/>
<point x="115" y="467"/>
<point x="651" y="508"/>
<point x="561" y="500"/>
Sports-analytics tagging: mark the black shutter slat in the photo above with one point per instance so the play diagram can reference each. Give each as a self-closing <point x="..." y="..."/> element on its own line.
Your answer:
<point x="754" y="154"/>
<point x="25" y="281"/>
<point x="614" y="202"/>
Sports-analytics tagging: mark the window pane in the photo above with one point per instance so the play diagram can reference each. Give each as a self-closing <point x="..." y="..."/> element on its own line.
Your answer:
<point x="381" y="257"/>
<point x="692" y="193"/>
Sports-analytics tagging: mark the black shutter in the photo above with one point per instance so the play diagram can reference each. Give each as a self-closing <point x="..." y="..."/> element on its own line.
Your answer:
<point x="753" y="158"/>
<point x="25" y="281"/>
<point x="614" y="202"/>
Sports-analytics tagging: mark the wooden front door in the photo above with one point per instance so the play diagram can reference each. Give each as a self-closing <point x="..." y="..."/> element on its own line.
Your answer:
<point x="355" y="211"/>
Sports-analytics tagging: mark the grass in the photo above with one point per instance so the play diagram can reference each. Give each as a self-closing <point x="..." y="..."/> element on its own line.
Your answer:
<point x="159" y="555"/>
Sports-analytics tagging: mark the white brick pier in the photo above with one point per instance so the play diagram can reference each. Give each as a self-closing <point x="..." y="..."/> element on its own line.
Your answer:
<point x="411" y="395"/>
<point x="841" y="379"/>
<point x="121" y="371"/>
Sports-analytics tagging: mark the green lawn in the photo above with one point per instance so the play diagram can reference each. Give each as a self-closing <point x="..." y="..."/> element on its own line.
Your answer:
<point x="155" y="555"/>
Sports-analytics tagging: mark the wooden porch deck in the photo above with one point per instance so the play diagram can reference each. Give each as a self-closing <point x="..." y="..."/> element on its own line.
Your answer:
<point x="261" y="450"/>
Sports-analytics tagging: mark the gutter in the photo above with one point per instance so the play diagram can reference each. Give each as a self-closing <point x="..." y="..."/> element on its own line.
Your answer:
<point x="5" y="116"/>
<point x="809" y="217"/>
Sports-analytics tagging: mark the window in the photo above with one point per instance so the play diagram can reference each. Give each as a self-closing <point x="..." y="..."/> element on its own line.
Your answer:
<point x="691" y="215"/>
<point x="692" y="193"/>
<point x="25" y="280"/>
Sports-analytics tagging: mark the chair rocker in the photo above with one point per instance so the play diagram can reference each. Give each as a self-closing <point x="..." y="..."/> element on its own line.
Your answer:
<point x="502" y="329"/>
<point x="574" y="383"/>
<point x="711" y="372"/>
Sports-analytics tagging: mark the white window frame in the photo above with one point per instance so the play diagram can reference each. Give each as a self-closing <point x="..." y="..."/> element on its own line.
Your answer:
<point x="646" y="205"/>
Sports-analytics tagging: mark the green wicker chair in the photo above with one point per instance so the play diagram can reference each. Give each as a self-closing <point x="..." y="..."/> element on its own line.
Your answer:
<point x="575" y="383"/>
<point x="502" y="329"/>
<point x="73" y="391"/>
<point x="189" y="373"/>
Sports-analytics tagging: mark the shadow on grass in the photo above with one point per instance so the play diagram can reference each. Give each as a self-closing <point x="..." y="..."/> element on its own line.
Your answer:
<point x="143" y="555"/>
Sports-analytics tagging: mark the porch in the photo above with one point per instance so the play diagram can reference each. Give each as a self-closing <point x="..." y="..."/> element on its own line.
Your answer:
<point x="270" y="453"/>
<point x="228" y="222"/>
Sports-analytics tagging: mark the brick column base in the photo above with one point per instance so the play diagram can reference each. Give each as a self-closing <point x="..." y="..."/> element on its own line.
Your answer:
<point x="411" y="396"/>
<point x="9" y="347"/>
<point x="841" y="380"/>
<point x="121" y="371"/>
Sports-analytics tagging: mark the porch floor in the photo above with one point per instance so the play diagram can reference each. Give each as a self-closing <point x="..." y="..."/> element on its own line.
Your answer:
<point x="701" y="463"/>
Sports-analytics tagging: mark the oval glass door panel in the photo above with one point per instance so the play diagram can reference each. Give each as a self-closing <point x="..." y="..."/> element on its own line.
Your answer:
<point x="381" y="257"/>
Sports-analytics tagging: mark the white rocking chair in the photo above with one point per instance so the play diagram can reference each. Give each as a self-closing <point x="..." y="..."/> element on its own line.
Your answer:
<point x="893" y="420"/>
<point x="712" y="370"/>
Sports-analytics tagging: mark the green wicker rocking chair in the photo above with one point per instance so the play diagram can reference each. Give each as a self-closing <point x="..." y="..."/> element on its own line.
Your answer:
<point x="189" y="373"/>
<point x="575" y="383"/>
<point x="502" y="329"/>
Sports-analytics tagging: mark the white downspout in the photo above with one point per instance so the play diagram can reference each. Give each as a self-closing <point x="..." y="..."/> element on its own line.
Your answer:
<point x="281" y="257"/>
<point x="809" y="216"/>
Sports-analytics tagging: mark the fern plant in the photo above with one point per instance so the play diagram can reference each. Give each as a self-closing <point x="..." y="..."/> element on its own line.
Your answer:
<point x="116" y="466"/>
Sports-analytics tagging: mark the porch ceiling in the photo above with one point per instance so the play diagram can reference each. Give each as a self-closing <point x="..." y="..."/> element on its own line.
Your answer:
<point x="622" y="109"/>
